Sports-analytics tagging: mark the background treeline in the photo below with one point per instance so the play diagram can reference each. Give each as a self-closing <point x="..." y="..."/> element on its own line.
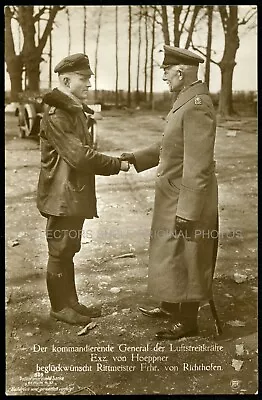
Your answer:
<point x="244" y="102"/>
<point x="29" y="42"/>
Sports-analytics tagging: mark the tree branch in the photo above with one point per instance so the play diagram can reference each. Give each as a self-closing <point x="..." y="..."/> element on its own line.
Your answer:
<point x="157" y="10"/>
<point x="192" y="24"/>
<point x="185" y="19"/>
<point x="11" y="10"/>
<point x="42" y="42"/>
<point x="39" y="14"/>
<point x="246" y="19"/>
<point x="158" y="22"/>
<point x="203" y="54"/>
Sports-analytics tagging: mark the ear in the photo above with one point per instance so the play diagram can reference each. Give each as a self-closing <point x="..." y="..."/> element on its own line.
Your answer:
<point x="180" y="75"/>
<point x="66" y="81"/>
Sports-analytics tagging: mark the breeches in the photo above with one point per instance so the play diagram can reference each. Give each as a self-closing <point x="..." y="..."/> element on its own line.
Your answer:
<point x="63" y="236"/>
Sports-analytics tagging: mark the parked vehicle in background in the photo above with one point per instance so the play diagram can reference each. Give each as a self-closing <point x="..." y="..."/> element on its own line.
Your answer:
<point x="30" y="111"/>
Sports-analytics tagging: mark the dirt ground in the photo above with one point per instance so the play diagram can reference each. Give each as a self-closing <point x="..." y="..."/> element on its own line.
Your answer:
<point x="35" y="360"/>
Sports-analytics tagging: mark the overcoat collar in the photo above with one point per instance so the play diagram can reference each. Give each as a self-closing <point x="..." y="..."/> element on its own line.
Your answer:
<point x="56" y="98"/>
<point x="188" y="93"/>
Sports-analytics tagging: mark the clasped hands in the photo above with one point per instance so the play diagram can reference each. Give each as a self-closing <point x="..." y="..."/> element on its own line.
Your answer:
<point x="126" y="159"/>
<point x="184" y="227"/>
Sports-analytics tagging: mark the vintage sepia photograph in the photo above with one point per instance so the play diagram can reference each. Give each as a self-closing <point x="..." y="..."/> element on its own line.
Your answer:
<point x="131" y="200"/>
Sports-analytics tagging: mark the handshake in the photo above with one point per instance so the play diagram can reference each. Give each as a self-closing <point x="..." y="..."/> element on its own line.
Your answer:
<point x="126" y="159"/>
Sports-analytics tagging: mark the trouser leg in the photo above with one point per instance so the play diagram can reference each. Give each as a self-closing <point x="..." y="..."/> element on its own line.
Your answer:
<point x="64" y="240"/>
<point x="189" y="313"/>
<point x="173" y="308"/>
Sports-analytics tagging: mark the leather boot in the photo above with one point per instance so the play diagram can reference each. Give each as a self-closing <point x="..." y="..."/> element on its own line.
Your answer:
<point x="187" y="325"/>
<point x="70" y="316"/>
<point x="54" y="283"/>
<point x="189" y="313"/>
<point x="92" y="311"/>
<point x="60" y="311"/>
<point x="166" y="310"/>
<point x="173" y="308"/>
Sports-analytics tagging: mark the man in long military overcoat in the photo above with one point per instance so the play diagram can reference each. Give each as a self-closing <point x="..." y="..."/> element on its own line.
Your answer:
<point x="184" y="237"/>
<point x="66" y="189"/>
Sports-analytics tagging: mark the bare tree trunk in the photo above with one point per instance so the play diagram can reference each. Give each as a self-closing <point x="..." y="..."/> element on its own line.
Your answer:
<point x="209" y="43"/>
<point x="225" y="107"/>
<point x="14" y="62"/>
<point x="146" y="57"/>
<point x="97" y="45"/>
<point x="129" y="55"/>
<point x="69" y="30"/>
<point x="229" y="19"/>
<point x="177" y="33"/>
<point x="24" y="77"/>
<point x="84" y="31"/>
<point x="151" y="95"/>
<point x="138" y="59"/>
<point x="38" y="29"/>
<point x="116" y="42"/>
<point x="15" y="69"/>
<point x="165" y="25"/>
<point x="31" y="53"/>
<point x="50" y="57"/>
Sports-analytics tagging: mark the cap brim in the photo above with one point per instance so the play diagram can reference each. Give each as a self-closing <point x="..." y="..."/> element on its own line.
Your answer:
<point x="165" y="66"/>
<point x="86" y="72"/>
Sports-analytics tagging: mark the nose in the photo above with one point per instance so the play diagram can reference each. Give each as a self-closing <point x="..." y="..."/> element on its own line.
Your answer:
<point x="164" y="77"/>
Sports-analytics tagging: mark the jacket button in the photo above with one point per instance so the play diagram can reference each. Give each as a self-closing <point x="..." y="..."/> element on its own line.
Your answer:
<point x="158" y="174"/>
<point x="161" y="148"/>
<point x="163" y="134"/>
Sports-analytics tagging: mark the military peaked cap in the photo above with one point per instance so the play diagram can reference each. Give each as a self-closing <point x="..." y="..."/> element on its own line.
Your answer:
<point x="176" y="56"/>
<point x="75" y="63"/>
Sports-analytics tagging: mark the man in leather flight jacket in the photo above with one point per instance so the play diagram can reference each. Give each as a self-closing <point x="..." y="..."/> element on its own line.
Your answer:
<point x="66" y="189"/>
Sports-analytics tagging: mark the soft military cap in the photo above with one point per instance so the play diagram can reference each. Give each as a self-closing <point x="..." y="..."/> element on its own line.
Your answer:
<point x="75" y="63"/>
<point x="175" y="56"/>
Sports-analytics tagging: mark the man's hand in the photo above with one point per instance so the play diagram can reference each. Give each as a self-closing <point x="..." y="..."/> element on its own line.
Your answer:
<point x="184" y="227"/>
<point x="124" y="166"/>
<point x="128" y="157"/>
<point x="97" y="116"/>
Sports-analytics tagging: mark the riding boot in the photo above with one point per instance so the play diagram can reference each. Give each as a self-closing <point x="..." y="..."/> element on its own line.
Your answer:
<point x="59" y="308"/>
<point x="189" y="314"/>
<point x="71" y="294"/>
<point x="172" y="308"/>
<point x="55" y="286"/>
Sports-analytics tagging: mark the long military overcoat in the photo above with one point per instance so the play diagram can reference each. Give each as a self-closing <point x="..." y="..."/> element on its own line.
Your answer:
<point x="66" y="184"/>
<point x="181" y="266"/>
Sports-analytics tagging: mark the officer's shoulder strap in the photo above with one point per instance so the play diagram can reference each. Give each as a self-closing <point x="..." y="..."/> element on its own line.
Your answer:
<point x="197" y="100"/>
<point x="52" y="110"/>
